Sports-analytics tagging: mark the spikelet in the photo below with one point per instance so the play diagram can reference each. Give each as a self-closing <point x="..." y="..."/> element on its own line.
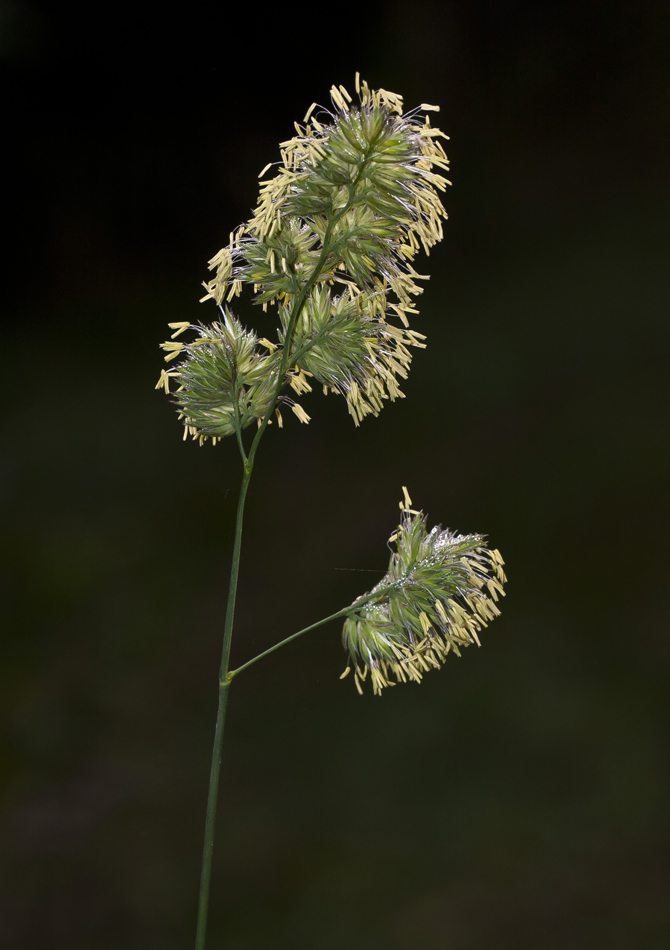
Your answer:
<point x="223" y="380"/>
<point x="440" y="591"/>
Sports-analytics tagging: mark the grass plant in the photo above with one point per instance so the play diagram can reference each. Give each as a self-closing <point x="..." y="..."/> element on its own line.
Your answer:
<point x="331" y="247"/>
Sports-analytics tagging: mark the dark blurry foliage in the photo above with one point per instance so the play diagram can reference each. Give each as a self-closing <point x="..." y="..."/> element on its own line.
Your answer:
<point x="517" y="798"/>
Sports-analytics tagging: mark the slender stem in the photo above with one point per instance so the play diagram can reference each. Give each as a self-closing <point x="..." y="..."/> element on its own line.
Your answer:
<point x="234" y="573"/>
<point x="224" y="686"/>
<point x="211" y="818"/>
<point x="294" y="636"/>
<point x="352" y="609"/>
<point x="224" y="677"/>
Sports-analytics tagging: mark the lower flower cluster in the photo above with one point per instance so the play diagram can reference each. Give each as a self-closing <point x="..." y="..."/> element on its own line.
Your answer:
<point x="440" y="591"/>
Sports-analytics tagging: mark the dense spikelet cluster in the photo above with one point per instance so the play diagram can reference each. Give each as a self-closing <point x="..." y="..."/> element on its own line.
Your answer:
<point x="331" y="244"/>
<point x="344" y="349"/>
<point x="440" y="590"/>
<point x="223" y="382"/>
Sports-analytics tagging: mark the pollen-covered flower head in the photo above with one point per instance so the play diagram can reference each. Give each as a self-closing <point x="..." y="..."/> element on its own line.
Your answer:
<point x="338" y="343"/>
<point x="357" y="184"/>
<point x="440" y="590"/>
<point x="330" y="245"/>
<point x="223" y="379"/>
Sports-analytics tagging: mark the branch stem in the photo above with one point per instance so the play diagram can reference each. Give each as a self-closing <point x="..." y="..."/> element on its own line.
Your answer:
<point x="210" y="821"/>
<point x="224" y="686"/>
<point x="224" y="677"/>
<point x="319" y="623"/>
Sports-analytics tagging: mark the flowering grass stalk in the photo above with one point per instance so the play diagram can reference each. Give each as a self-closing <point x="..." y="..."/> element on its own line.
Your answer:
<point x="331" y="246"/>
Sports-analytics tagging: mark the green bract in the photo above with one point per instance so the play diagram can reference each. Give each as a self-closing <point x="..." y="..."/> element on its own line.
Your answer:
<point x="441" y="588"/>
<point x="330" y="245"/>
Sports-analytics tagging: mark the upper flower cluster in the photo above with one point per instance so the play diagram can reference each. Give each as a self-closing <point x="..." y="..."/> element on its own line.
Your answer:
<point x="331" y="244"/>
<point x="441" y="588"/>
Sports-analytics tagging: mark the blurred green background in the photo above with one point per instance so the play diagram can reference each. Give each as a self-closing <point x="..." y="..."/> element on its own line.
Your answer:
<point x="518" y="798"/>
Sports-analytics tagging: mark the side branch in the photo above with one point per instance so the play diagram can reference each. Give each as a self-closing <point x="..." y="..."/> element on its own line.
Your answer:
<point x="346" y="611"/>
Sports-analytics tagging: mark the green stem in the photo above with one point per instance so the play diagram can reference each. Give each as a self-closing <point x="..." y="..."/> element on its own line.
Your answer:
<point x="224" y="686"/>
<point x="211" y="818"/>
<point x="294" y="636"/>
<point x="224" y="678"/>
<point x="352" y="609"/>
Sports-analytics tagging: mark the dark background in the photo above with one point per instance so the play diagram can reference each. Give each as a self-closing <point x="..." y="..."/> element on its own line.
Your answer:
<point x="517" y="798"/>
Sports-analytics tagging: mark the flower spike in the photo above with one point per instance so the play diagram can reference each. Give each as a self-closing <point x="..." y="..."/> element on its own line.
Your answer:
<point x="223" y="380"/>
<point x="331" y="244"/>
<point x="440" y="591"/>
